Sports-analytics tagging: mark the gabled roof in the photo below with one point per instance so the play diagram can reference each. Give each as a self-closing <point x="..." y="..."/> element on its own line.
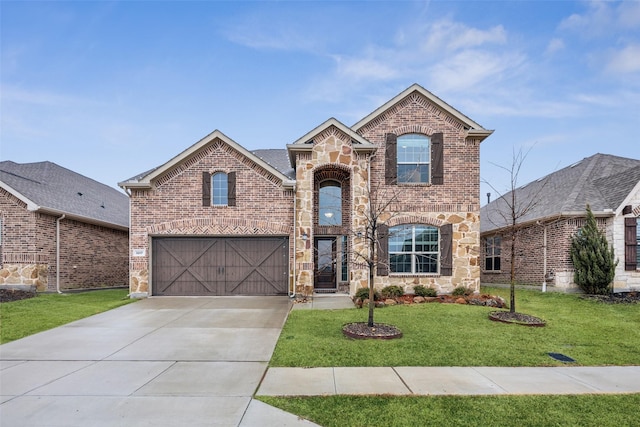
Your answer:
<point x="603" y="181"/>
<point x="145" y="179"/>
<point x="473" y="127"/>
<point x="48" y="188"/>
<point x="304" y="143"/>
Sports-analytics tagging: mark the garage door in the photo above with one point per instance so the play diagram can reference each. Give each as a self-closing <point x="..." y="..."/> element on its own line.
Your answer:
<point x="220" y="266"/>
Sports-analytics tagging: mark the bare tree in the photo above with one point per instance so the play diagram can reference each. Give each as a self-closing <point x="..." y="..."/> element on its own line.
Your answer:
<point x="511" y="208"/>
<point x="376" y="214"/>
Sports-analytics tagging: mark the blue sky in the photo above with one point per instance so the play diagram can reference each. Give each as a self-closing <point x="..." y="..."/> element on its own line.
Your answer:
<point x="111" y="89"/>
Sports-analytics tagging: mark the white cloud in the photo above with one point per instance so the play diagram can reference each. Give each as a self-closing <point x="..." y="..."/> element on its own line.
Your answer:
<point x="364" y="68"/>
<point x="603" y="16"/>
<point x="554" y="45"/>
<point x="455" y="36"/>
<point x="625" y="61"/>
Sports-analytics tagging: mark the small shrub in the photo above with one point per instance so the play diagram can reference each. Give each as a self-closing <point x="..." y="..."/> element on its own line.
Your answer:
<point x="423" y="291"/>
<point x="363" y="294"/>
<point x="461" y="291"/>
<point x="392" y="291"/>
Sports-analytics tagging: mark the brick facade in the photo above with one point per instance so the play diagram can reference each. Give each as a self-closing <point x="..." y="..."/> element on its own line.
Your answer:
<point x="90" y="255"/>
<point x="174" y="206"/>
<point x="168" y="201"/>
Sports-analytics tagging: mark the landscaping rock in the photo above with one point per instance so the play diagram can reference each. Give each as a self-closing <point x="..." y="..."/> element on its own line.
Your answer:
<point x="461" y="301"/>
<point x="418" y="300"/>
<point x="390" y="301"/>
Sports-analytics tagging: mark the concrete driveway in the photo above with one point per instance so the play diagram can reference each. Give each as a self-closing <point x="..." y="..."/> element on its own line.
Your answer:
<point x="158" y="362"/>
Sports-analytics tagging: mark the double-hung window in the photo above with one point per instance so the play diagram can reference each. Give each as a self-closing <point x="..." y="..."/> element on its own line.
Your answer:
<point x="413" y="249"/>
<point x="219" y="189"/>
<point x="413" y="158"/>
<point x="492" y="253"/>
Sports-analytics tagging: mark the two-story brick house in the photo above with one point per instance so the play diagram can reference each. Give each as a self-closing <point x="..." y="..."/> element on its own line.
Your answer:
<point x="218" y="219"/>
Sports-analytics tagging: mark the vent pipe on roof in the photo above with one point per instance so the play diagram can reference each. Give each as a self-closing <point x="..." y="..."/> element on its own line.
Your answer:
<point x="488" y="198"/>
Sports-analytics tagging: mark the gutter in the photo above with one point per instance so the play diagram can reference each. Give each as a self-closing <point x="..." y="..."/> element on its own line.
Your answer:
<point x="58" y="253"/>
<point x="551" y="218"/>
<point x="292" y="289"/>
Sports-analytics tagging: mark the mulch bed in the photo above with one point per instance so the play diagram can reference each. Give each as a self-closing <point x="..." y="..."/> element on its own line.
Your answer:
<point x="361" y="330"/>
<point x="617" y="298"/>
<point x="517" y="318"/>
<point x="9" y="295"/>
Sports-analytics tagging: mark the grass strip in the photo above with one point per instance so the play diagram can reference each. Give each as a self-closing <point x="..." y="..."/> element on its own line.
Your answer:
<point x="19" y="319"/>
<point x="464" y="411"/>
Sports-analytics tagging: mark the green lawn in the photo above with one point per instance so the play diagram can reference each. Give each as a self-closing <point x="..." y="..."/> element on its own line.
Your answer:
<point x="442" y="411"/>
<point x="590" y="332"/>
<point x="19" y="319"/>
<point x="454" y="335"/>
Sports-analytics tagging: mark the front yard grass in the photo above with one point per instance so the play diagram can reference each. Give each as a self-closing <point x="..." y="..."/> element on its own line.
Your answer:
<point x="19" y="319"/>
<point x="592" y="333"/>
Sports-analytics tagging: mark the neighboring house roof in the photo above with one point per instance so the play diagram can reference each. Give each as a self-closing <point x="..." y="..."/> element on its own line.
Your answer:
<point x="49" y="188"/>
<point x="473" y="128"/>
<point x="603" y="181"/>
<point x="144" y="180"/>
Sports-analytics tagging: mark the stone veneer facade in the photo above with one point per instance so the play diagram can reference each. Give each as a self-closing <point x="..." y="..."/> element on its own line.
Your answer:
<point x="455" y="202"/>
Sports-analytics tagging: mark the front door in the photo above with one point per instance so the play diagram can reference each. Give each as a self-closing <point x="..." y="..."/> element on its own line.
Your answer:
<point x="325" y="261"/>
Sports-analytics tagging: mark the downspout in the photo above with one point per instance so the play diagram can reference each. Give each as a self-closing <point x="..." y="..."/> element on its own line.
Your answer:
<point x="58" y="253"/>
<point x="292" y="288"/>
<point x="544" y="259"/>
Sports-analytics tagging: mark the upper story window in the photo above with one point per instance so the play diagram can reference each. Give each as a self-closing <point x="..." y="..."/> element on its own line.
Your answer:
<point x="413" y="158"/>
<point x="330" y="203"/>
<point x="492" y="253"/>
<point x="219" y="189"/>
<point x="414" y="249"/>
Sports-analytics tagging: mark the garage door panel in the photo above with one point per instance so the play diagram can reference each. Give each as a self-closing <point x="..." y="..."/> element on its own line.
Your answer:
<point x="220" y="266"/>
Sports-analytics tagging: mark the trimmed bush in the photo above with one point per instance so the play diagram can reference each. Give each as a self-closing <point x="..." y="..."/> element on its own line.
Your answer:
<point x="363" y="294"/>
<point x="392" y="291"/>
<point x="423" y="291"/>
<point x="461" y="291"/>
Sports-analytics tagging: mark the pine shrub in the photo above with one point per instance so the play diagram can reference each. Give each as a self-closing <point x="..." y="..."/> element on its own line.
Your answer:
<point x="593" y="258"/>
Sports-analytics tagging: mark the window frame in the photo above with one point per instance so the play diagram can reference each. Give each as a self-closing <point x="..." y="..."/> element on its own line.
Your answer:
<point x="426" y="149"/>
<point x="414" y="254"/>
<point x="493" y="252"/>
<point x="336" y="210"/>
<point x="220" y="189"/>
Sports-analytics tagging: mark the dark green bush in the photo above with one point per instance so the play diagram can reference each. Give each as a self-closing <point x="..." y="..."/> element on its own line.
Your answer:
<point x="461" y="291"/>
<point x="363" y="294"/>
<point x="423" y="291"/>
<point x="392" y="291"/>
<point x="593" y="259"/>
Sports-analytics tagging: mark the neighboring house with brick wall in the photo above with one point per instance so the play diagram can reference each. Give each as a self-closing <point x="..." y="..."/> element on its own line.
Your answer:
<point x="610" y="185"/>
<point x="218" y="219"/>
<point x="60" y="230"/>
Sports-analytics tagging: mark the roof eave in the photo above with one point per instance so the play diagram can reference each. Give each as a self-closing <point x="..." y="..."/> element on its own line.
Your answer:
<point x="31" y="205"/>
<point x="607" y="213"/>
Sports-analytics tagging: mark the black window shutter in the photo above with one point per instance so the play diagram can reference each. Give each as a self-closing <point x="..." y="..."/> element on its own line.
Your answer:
<point x="206" y="189"/>
<point x="231" y="189"/>
<point x="630" y="244"/>
<point x="446" y="256"/>
<point x="383" y="250"/>
<point x="437" y="157"/>
<point x="391" y="159"/>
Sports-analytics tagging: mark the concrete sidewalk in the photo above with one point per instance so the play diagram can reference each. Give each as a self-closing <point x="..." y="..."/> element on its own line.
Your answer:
<point x="428" y="381"/>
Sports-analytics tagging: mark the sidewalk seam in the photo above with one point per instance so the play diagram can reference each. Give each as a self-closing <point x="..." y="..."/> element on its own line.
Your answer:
<point x="402" y="380"/>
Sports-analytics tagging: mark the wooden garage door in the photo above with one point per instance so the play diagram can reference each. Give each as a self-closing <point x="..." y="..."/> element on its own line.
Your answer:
<point x="220" y="266"/>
